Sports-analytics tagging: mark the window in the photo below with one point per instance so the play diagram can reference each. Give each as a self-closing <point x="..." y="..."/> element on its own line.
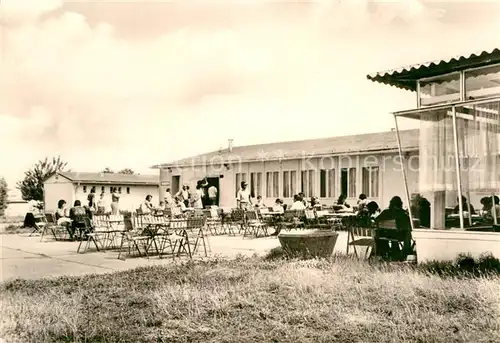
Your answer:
<point x="84" y="189"/>
<point x="322" y="183"/>
<point x="259" y="184"/>
<point x="370" y="184"/>
<point x="440" y="90"/>
<point x="303" y="181"/>
<point x="482" y="83"/>
<point x="276" y="184"/>
<point x="286" y="184"/>
<point x="120" y="190"/>
<point x="348" y="182"/>
<point x="331" y="183"/>
<point x="352" y="183"/>
<point x="255" y="184"/>
<point x="293" y="182"/>
<point x="128" y="190"/>
<point x="103" y="189"/>
<point x="111" y="189"/>
<point x="311" y="183"/>
<point x="269" y="184"/>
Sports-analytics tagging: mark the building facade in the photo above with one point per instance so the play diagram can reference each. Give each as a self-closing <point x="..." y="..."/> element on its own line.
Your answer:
<point x="326" y="168"/>
<point x="71" y="186"/>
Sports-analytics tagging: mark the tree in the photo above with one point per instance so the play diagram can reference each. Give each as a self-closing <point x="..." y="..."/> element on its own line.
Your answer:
<point x="107" y="170"/>
<point x="32" y="186"/>
<point x="126" y="171"/>
<point x="3" y="196"/>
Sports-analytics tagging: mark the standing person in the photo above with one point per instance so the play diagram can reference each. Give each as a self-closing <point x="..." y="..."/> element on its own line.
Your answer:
<point x="169" y="200"/>
<point x="183" y="194"/>
<point x="212" y="195"/>
<point x="198" y="195"/>
<point x="92" y="205"/>
<point x="115" y="198"/>
<point x="243" y="197"/>
<point x="102" y="206"/>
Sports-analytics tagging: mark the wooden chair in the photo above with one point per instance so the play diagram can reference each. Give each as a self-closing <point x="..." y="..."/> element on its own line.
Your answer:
<point x="361" y="236"/>
<point x="238" y="219"/>
<point x="195" y="227"/>
<point x="51" y="223"/>
<point x="292" y="219"/>
<point x="40" y="223"/>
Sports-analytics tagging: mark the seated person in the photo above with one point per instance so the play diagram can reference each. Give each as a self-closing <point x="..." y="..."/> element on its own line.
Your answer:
<point x="496" y="207"/>
<point x="367" y="215"/>
<point x="396" y="213"/>
<point x="341" y="201"/>
<point x="77" y="214"/>
<point x="315" y="203"/>
<point x="62" y="215"/>
<point x="260" y="202"/>
<point x="362" y="201"/>
<point x="147" y="206"/>
<point x="179" y="202"/>
<point x="465" y="206"/>
<point x="161" y="207"/>
<point x="298" y="204"/>
<point x="278" y="206"/>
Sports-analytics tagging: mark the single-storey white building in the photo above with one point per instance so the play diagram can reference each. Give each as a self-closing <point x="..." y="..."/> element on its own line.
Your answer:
<point x="326" y="167"/>
<point x="72" y="186"/>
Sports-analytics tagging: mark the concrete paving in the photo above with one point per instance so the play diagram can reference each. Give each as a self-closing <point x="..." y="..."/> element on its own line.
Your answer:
<point x="28" y="258"/>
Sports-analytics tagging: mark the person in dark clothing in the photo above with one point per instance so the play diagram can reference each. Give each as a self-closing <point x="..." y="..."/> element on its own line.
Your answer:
<point x="77" y="214"/>
<point x="421" y="209"/>
<point x="465" y="206"/>
<point x="395" y="213"/>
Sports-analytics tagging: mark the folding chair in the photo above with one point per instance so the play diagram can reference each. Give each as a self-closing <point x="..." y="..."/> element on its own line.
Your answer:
<point x="176" y="237"/>
<point x="44" y="225"/>
<point x="361" y="236"/>
<point x="40" y="223"/>
<point x="87" y="233"/>
<point x="291" y="220"/>
<point x="134" y="236"/>
<point x="254" y="224"/>
<point x="213" y="221"/>
<point x="195" y="227"/>
<point x="238" y="220"/>
<point x="52" y="225"/>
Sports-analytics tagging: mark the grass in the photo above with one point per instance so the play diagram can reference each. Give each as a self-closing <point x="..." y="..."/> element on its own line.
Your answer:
<point x="254" y="300"/>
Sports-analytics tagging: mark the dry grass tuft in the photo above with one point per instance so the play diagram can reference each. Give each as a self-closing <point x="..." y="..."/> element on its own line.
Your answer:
<point x="251" y="300"/>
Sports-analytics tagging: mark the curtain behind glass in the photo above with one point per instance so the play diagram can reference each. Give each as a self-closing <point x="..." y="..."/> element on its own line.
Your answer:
<point x="437" y="152"/>
<point x="479" y="145"/>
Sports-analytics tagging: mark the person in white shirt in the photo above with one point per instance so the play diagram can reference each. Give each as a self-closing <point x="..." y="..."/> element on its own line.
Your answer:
<point x="278" y="206"/>
<point x="147" y="206"/>
<point x="260" y="202"/>
<point x="243" y="196"/>
<point x="184" y="195"/>
<point x="298" y="204"/>
<point x="198" y="196"/>
<point x="169" y="200"/>
<point x="362" y="202"/>
<point x="212" y="195"/>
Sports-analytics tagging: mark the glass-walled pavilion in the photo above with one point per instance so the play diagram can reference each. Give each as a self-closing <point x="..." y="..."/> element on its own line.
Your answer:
<point x="458" y="109"/>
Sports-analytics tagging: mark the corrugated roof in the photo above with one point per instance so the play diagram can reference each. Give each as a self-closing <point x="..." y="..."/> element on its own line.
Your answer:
<point x="111" y="178"/>
<point x="370" y="142"/>
<point x="406" y="77"/>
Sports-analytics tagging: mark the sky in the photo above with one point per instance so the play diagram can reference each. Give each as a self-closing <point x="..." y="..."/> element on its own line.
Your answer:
<point x="130" y="84"/>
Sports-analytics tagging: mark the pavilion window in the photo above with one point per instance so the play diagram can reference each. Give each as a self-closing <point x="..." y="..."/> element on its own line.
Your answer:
<point x="259" y="184"/>
<point x="322" y="183"/>
<point x="439" y="90"/>
<point x="482" y="82"/>
<point x="293" y="182"/>
<point x="352" y="183"/>
<point x="303" y="181"/>
<point x="311" y="183"/>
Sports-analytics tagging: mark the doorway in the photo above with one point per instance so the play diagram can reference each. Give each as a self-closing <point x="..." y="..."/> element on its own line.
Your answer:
<point x="214" y="181"/>
<point x="174" y="187"/>
<point x="344" y="177"/>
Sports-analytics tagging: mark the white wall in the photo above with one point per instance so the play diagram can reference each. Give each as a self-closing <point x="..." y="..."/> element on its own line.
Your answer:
<point x="55" y="189"/>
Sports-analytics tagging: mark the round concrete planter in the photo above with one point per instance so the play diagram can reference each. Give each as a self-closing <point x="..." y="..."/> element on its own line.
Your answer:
<point x="308" y="243"/>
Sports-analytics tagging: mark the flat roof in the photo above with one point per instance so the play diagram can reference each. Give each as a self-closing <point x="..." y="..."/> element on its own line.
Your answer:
<point x="110" y="178"/>
<point x="406" y="77"/>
